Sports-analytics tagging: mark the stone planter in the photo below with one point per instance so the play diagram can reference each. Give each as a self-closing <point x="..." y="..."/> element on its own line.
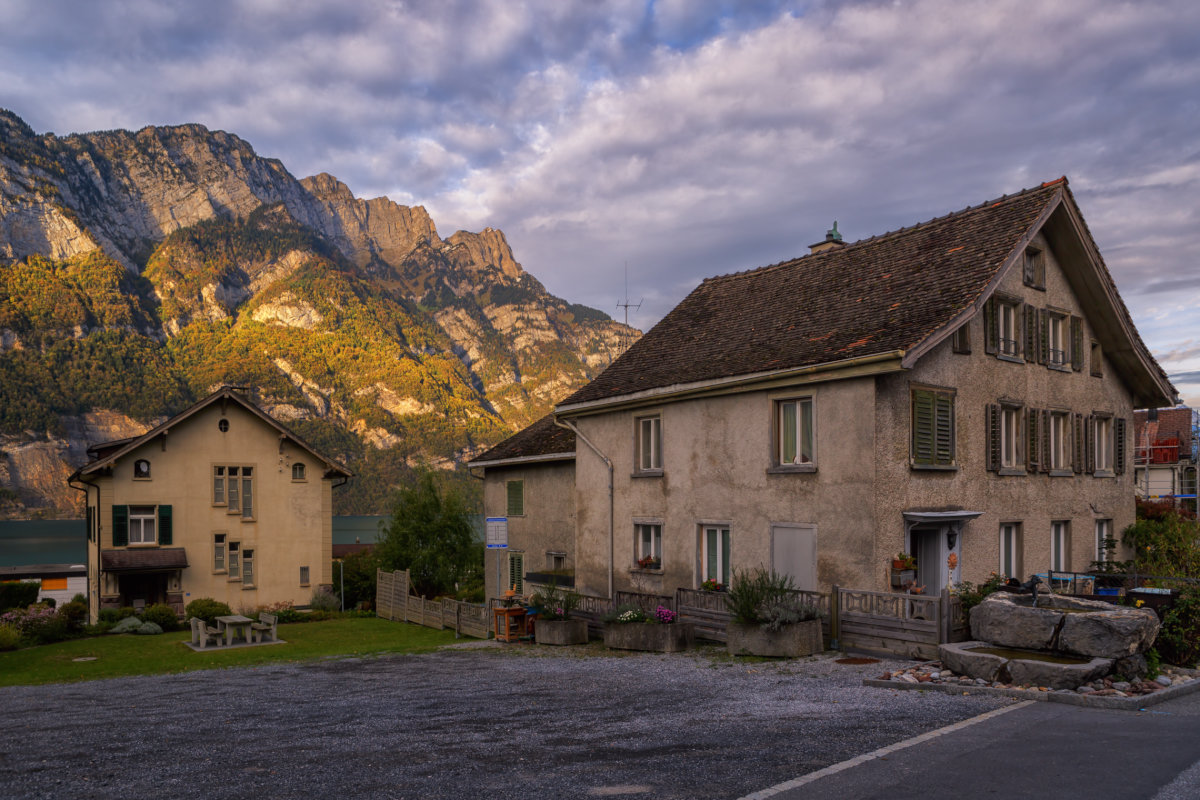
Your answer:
<point x="560" y="631"/>
<point x="790" y="641"/>
<point x="672" y="638"/>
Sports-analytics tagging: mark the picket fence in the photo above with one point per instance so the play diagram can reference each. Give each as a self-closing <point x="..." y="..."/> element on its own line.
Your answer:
<point x="395" y="600"/>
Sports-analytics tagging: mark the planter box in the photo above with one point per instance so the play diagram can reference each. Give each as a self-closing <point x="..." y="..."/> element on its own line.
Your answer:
<point x="673" y="638"/>
<point x="560" y="631"/>
<point x="791" y="641"/>
<point x="903" y="576"/>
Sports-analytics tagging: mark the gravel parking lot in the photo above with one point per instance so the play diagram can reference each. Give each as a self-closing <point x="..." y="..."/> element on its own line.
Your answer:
<point x="471" y="722"/>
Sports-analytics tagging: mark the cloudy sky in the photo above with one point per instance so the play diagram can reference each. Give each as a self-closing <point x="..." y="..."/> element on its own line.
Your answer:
<point x="686" y="138"/>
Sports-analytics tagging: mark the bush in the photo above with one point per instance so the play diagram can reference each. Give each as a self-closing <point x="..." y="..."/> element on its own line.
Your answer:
<point x="358" y="572"/>
<point x="148" y="629"/>
<point x="21" y="594"/>
<point x="114" y="615"/>
<point x="970" y="595"/>
<point x="207" y="609"/>
<point x="766" y="598"/>
<point x="161" y="615"/>
<point x="49" y="602"/>
<point x="324" y="600"/>
<point x="73" y="615"/>
<point x="79" y="598"/>
<point x="555" y="602"/>
<point x="626" y="612"/>
<point x="10" y="638"/>
<point x="1179" y="638"/>
<point x="126" y="625"/>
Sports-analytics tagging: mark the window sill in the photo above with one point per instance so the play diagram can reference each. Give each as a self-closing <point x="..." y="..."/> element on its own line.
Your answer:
<point x="784" y="469"/>
<point x="647" y="473"/>
<point x="1104" y="473"/>
<point x="142" y="545"/>
<point x="247" y="586"/>
<point x="934" y="467"/>
<point x="1062" y="473"/>
<point x="220" y="572"/>
<point x="249" y="519"/>
<point x="647" y="570"/>
<point x="1011" y="359"/>
<point x="1059" y="367"/>
<point x="1012" y="471"/>
<point x="235" y="580"/>
<point x="305" y="585"/>
<point x="141" y="479"/>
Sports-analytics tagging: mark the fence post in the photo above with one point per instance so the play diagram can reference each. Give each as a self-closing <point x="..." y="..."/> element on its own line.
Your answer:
<point x="944" y="621"/>
<point x="835" y="619"/>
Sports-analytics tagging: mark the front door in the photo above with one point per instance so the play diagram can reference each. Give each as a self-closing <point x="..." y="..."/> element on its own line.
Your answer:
<point x="936" y="550"/>
<point x="141" y="590"/>
<point x="794" y="553"/>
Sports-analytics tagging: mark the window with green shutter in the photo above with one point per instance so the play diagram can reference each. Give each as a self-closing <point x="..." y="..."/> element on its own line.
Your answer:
<point x="932" y="445"/>
<point x="516" y="498"/>
<point x="164" y="525"/>
<point x="120" y="523"/>
<point x="516" y="572"/>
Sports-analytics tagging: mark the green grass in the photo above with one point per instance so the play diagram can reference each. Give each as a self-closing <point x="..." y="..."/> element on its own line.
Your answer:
<point x="127" y="654"/>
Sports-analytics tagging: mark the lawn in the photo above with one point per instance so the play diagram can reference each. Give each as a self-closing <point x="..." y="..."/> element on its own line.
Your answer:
<point x="128" y="654"/>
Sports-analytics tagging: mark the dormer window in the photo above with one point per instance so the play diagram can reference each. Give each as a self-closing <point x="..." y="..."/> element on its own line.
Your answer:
<point x="1035" y="268"/>
<point x="141" y="470"/>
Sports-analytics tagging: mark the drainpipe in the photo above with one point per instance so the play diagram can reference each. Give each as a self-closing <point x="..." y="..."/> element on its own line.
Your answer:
<point x="86" y="489"/>
<point x="611" y="521"/>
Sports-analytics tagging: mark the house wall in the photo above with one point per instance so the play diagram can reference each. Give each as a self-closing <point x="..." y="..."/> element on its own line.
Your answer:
<point x="292" y="524"/>
<point x="547" y="524"/>
<point x="1034" y="499"/>
<point x="716" y="456"/>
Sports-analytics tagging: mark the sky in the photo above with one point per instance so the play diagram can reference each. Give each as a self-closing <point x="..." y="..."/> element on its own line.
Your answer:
<point x="673" y="139"/>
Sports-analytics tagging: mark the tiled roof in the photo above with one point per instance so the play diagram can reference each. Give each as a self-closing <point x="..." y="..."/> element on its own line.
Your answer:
<point x="155" y="558"/>
<point x="1175" y="422"/>
<point x="876" y="296"/>
<point x="542" y="438"/>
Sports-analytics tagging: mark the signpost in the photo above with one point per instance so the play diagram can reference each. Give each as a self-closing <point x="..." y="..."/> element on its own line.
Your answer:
<point x="497" y="539"/>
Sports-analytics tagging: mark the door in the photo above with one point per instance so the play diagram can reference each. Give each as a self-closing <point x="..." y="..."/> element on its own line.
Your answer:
<point x="794" y="553"/>
<point x="936" y="550"/>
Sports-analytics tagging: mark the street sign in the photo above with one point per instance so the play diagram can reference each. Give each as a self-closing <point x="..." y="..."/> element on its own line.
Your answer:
<point x="497" y="533"/>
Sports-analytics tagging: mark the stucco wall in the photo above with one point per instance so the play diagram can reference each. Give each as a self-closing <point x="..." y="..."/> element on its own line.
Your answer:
<point x="716" y="456"/>
<point x="1034" y="499"/>
<point x="547" y="524"/>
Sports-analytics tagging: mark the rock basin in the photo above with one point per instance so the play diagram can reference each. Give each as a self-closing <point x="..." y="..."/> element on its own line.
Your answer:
<point x="1067" y="625"/>
<point x="1023" y="667"/>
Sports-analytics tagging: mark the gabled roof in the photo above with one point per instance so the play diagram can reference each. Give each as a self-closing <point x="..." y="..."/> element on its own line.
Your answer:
<point x="874" y="305"/>
<point x="541" y="441"/>
<point x="106" y="454"/>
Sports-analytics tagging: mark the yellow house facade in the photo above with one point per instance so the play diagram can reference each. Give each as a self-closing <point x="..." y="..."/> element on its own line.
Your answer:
<point x="220" y="501"/>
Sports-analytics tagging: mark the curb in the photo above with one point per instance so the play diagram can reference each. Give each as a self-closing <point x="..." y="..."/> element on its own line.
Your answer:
<point x="1087" y="701"/>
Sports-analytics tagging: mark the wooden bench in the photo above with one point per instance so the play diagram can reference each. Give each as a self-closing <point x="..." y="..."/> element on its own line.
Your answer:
<point x="265" y="627"/>
<point x="202" y="634"/>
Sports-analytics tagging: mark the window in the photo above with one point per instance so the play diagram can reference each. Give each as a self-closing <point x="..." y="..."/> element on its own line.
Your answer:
<point x="647" y="542"/>
<point x="932" y="445"/>
<point x="1102" y="444"/>
<point x="1008" y="328"/>
<point x="1010" y="549"/>
<point x="1011" y="455"/>
<point x="1060" y="546"/>
<point x="714" y="553"/>
<point x="516" y="572"/>
<point x="1060" y="441"/>
<point x="233" y="487"/>
<point x="1096" y="361"/>
<point x="1056" y="327"/>
<point x="247" y="568"/>
<point x="223" y="426"/>
<point x="219" y="552"/>
<point x="1106" y="546"/>
<point x="649" y="444"/>
<point x="1002" y="327"/>
<point x="1034" y="272"/>
<point x="141" y="524"/>
<point x="556" y="560"/>
<point x="515" y="498"/>
<point x="235" y="567"/>
<point x="297" y="472"/>
<point x="304" y="576"/>
<point x="141" y="470"/>
<point x="794" y="426"/>
<point x="960" y="341"/>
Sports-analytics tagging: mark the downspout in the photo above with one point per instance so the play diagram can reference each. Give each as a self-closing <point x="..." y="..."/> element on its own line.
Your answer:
<point x="611" y="521"/>
<point x="86" y="489"/>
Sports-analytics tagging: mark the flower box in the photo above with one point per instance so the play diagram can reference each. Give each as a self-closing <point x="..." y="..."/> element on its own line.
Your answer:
<point x="900" y="577"/>
<point x="790" y="641"/>
<point x="560" y="631"/>
<point x="673" y="638"/>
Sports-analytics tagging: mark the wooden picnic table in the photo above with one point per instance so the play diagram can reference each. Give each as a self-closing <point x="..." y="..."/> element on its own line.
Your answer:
<point x="235" y="624"/>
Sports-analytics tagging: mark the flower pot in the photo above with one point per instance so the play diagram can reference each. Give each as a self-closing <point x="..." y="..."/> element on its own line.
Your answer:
<point x="790" y="641"/>
<point x="561" y="631"/>
<point x="672" y="638"/>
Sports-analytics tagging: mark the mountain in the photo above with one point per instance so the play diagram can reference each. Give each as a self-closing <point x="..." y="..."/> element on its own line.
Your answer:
<point x="139" y="271"/>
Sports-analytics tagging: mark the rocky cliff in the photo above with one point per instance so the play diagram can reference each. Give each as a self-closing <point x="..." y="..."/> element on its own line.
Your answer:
<point x="141" y="270"/>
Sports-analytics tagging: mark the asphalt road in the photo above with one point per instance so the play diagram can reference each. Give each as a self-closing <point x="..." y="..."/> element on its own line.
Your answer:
<point x="520" y="722"/>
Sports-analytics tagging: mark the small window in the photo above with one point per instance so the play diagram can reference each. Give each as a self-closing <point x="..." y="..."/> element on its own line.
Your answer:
<point x="1096" y="361"/>
<point x="515" y="506"/>
<point x="141" y="470"/>
<point x="1008" y="322"/>
<point x="1010" y="550"/>
<point x="649" y="444"/>
<point x="1056" y="340"/>
<point x="556" y="560"/>
<point x="223" y="425"/>
<point x="1060" y="441"/>
<point x="218" y="486"/>
<point x="297" y="472"/>
<point x="960" y="341"/>
<point x="715" y="546"/>
<point x="647" y="540"/>
<point x="247" y="568"/>
<point x="1060" y="545"/>
<point x="219" y="552"/>
<point x="235" y="561"/>
<point x="1102" y="439"/>
<point x="247" y="493"/>
<point x="141" y="524"/>
<point x="1106" y="545"/>
<point x="932" y="441"/>
<point x="304" y="576"/>
<point x="1012" y="454"/>
<point x="1034" y="272"/>
<point x="794" y="441"/>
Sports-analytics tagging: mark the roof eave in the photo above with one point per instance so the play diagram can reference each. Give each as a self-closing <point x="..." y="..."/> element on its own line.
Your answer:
<point x="520" y="460"/>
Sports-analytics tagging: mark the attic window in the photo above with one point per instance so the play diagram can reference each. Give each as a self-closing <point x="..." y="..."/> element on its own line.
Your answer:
<point x="960" y="341"/>
<point x="1035" y="268"/>
<point x="1097" y="360"/>
<point x="223" y="425"/>
<point x="141" y="470"/>
<point x="297" y="472"/>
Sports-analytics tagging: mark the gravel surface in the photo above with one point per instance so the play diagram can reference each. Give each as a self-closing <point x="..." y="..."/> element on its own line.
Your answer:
<point x="495" y="722"/>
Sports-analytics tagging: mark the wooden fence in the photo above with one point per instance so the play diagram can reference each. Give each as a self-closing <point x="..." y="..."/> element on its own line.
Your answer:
<point x="394" y="600"/>
<point x="908" y="625"/>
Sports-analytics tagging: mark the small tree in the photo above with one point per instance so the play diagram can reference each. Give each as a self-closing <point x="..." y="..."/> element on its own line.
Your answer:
<point x="430" y="535"/>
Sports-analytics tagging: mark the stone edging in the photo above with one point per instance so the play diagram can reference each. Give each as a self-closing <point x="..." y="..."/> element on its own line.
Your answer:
<point x="1071" y="698"/>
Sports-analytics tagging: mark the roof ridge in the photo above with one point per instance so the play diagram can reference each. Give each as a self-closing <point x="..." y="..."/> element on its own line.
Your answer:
<point x="1006" y="198"/>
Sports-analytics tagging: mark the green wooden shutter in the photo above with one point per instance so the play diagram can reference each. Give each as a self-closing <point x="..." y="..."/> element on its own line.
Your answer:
<point x="1033" y="441"/>
<point x="1031" y="337"/>
<point x="943" y="429"/>
<point x="1089" y="444"/>
<point x="164" y="525"/>
<point x="922" y="427"/>
<point x="1077" y="344"/>
<point x="991" y="327"/>
<point x="993" y="437"/>
<point x="120" y="523"/>
<point x="516" y="498"/>
<point x="516" y="572"/>
<point x="1043" y="351"/>
<point x="1047" y="457"/>
<point x="1119" y="431"/>
<point x="1080" y="437"/>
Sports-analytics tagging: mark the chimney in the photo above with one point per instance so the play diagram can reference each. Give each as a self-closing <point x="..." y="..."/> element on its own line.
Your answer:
<point x="832" y="241"/>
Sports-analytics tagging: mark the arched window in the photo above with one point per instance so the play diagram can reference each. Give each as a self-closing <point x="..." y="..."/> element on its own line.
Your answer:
<point x="223" y="425"/>
<point x="141" y="469"/>
<point x="297" y="471"/>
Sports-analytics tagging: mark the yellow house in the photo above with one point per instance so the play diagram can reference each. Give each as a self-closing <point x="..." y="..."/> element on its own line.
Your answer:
<point x="220" y="501"/>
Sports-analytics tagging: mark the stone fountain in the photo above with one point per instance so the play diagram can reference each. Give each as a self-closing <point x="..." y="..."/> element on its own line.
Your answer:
<point x="1061" y="642"/>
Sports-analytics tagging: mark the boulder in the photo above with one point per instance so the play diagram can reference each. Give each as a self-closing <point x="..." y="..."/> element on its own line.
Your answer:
<point x="1115" y="632"/>
<point x="1064" y="624"/>
<point x="1006" y="623"/>
<point x="960" y="657"/>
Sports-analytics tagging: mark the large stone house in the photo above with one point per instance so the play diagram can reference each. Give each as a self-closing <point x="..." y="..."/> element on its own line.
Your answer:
<point x="961" y="390"/>
<point x="220" y="501"/>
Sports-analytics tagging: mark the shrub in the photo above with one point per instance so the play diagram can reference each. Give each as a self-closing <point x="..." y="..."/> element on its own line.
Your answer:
<point x="324" y="600"/>
<point x="161" y="615"/>
<point x="555" y="602"/>
<point x="79" y="598"/>
<point x="148" y="629"/>
<point x="356" y="574"/>
<point x="126" y="625"/>
<point x="73" y="615"/>
<point x="766" y="598"/>
<point x="20" y="594"/>
<point x="49" y="602"/>
<point x="1179" y="638"/>
<point x="207" y="609"/>
<point x="10" y="638"/>
<point x="971" y="595"/>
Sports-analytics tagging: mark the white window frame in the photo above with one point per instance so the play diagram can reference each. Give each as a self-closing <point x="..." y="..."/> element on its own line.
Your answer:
<point x="298" y="472"/>
<point x="1102" y="436"/>
<point x="1060" y="441"/>
<point x="248" y="574"/>
<point x="716" y="551"/>
<point x="1008" y="329"/>
<point x="234" y="552"/>
<point x="802" y="414"/>
<point x="1056" y="341"/>
<point x="1011" y="450"/>
<point x="648" y="443"/>
<point x="647" y="543"/>
<point x="1103" y="529"/>
<point x="1010" y="550"/>
<point x="143" y="525"/>
<point x="233" y="487"/>
<point x="1060" y="545"/>
<point x="219" y="548"/>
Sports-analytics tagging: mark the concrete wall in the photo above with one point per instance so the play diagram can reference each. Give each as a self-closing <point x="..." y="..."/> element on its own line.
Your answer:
<point x="547" y="524"/>
<point x="292" y="523"/>
<point x="1035" y="499"/>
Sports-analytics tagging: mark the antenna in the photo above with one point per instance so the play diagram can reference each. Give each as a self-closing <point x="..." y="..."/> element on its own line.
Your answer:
<point x="627" y="305"/>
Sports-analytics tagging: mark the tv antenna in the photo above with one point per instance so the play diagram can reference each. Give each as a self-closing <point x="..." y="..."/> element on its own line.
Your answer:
<point x="628" y="305"/>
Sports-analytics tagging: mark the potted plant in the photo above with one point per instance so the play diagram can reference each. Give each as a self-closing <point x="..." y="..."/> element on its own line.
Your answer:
<point x="631" y="627"/>
<point x="770" y="618"/>
<point x="554" y="624"/>
<point x="904" y="561"/>
<point x="904" y="570"/>
<point x="649" y="562"/>
<point x="712" y="585"/>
